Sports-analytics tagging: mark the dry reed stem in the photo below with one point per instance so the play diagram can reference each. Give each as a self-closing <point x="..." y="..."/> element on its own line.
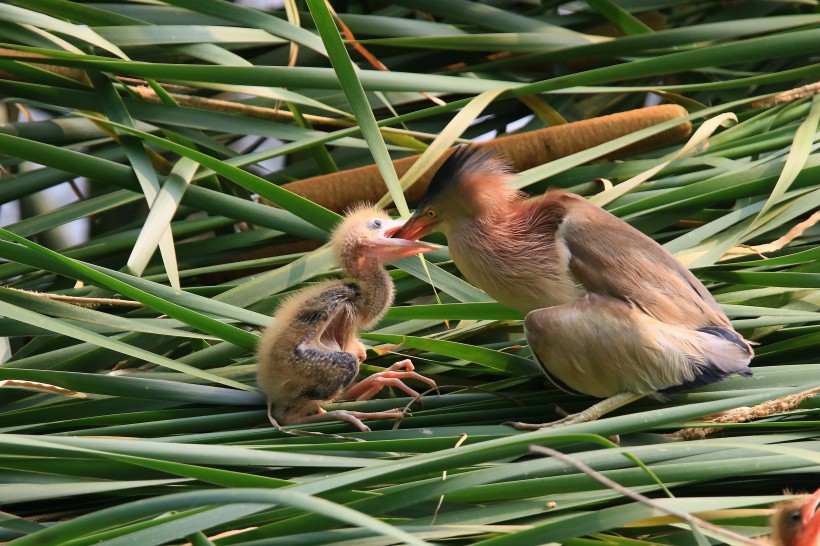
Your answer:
<point x="80" y="301"/>
<point x="139" y="88"/>
<point x="653" y="19"/>
<point x="261" y="112"/>
<point x="338" y="191"/>
<point x="229" y="107"/>
<point x="745" y="414"/>
<point x="787" y="96"/>
<point x="75" y="74"/>
<point x="462" y="438"/>
<point x="41" y="387"/>
<point x="691" y="519"/>
<point x="793" y="233"/>
<point x="364" y="52"/>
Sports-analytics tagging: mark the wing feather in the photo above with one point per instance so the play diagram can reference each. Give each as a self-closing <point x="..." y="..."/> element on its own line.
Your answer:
<point x="610" y="257"/>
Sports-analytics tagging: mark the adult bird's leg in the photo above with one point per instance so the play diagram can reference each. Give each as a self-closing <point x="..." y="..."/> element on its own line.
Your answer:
<point x="590" y="414"/>
<point x="368" y="387"/>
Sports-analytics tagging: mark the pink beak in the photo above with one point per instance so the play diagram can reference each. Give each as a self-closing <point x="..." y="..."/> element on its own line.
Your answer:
<point x="390" y="247"/>
<point x="811" y="521"/>
<point x="415" y="228"/>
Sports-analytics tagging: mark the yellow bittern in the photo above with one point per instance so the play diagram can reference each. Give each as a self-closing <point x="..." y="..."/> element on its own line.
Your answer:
<point x="609" y="312"/>
<point x="311" y="353"/>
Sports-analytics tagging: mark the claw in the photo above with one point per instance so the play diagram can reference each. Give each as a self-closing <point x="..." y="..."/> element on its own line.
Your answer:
<point x="368" y="387"/>
<point x="352" y="417"/>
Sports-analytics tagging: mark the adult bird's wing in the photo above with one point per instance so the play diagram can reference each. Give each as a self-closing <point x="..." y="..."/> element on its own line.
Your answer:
<point x="642" y="301"/>
<point x="611" y="258"/>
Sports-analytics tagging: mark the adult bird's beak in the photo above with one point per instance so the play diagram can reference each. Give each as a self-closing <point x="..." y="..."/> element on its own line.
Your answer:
<point x="416" y="227"/>
<point x="390" y="247"/>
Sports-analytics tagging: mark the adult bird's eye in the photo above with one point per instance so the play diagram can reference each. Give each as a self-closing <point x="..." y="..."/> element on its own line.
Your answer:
<point x="375" y="224"/>
<point x="431" y="213"/>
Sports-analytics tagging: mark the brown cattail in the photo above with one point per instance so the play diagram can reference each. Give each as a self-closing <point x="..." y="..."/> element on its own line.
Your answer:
<point x="337" y="191"/>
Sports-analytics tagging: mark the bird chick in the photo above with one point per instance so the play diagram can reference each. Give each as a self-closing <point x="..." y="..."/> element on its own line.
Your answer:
<point x="797" y="522"/>
<point x="609" y="312"/>
<point x="311" y="354"/>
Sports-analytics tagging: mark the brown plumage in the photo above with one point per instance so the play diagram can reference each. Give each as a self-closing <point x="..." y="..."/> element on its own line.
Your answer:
<point x="311" y="353"/>
<point x="610" y="313"/>
<point x="797" y="522"/>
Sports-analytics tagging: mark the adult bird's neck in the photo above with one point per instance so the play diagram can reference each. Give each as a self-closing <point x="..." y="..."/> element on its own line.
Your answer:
<point x="512" y="256"/>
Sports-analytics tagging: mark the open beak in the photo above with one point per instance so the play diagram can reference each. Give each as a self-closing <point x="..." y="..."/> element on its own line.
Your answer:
<point x="390" y="247"/>
<point x="415" y="228"/>
<point x="811" y="521"/>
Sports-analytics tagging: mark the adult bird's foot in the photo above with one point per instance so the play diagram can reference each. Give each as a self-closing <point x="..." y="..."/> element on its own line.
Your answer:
<point x="368" y="387"/>
<point x="590" y="414"/>
<point x="573" y="419"/>
<point x="567" y="419"/>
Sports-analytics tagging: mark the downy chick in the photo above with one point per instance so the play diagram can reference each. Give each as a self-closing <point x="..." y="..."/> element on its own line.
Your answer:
<point x="311" y="353"/>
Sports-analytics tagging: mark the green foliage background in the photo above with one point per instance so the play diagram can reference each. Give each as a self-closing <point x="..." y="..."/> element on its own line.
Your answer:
<point x="173" y="447"/>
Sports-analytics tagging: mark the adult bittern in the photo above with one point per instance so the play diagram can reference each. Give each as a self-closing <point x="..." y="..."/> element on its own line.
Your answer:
<point x="609" y="312"/>
<point x="311" y="353"/>
<point x="797" y="522"/>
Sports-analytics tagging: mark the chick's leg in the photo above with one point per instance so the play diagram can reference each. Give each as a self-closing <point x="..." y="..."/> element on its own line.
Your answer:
<point x="352" y="417"/>
<point x="322" y="416"/>
<point x="368" y="387"/>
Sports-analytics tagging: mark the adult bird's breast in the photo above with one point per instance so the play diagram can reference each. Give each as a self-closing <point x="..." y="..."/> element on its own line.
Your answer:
<point x="510" y="263"/>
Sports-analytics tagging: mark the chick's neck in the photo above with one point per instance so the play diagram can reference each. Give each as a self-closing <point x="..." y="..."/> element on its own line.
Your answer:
<point x="375" y="285"/>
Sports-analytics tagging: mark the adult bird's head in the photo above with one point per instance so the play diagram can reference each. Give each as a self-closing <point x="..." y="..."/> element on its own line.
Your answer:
<point x="365" y="236"/>
<point x="470" y="185"/>
<point x="797" y="522"/>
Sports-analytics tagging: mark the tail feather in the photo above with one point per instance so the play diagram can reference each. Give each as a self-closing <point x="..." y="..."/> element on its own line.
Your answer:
<point x="724" y="353"/>
<point x="728" y="335"/>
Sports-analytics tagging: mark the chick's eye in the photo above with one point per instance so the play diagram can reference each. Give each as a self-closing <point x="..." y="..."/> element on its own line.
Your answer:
<point x="375" y="224"/>
<point x="795" y="516"/>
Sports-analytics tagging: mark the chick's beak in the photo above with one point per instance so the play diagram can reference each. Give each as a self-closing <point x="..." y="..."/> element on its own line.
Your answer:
<point x="390" y="247"/>
<point x="415" y="228"/>
<point x="811" y="521"/>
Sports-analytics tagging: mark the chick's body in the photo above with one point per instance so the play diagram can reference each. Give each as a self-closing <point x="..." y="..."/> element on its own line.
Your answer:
<point x="311" y="353"/>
